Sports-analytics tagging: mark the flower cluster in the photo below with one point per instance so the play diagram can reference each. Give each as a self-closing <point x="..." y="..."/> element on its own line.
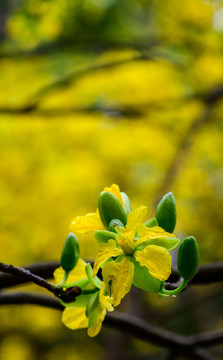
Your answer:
<point x="132" y="251"/>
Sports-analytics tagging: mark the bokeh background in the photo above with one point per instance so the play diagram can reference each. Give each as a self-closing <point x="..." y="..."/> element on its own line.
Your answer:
<point x="95" y="92"/>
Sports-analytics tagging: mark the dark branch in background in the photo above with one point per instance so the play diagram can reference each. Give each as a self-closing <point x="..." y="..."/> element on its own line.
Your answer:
<point x="133" y="326"/>
<point x="206" y="274"/>
<point x="74" y="76"/>
<point x="4" y="13"/>
<point x="127" y="110"/>
<point x="209" y="100"/>
<point x="21" y="298"/>
<point x="121" y="110"/>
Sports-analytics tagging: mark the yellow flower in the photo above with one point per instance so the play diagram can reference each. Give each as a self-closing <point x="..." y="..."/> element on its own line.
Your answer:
<point x="92" y="221"/>
<point x="148" y="246"/>
<point x="74" y="315"/>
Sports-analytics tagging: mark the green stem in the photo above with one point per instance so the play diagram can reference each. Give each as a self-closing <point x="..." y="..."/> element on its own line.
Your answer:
<point x="91" y="291"/>
<point x="81" y="283"/>
<point x="61" y="284"/>
<point x="175" y="291"/>
<point x="95" y="281"/>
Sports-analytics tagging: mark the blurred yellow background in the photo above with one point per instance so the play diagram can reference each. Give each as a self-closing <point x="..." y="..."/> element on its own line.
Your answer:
<point x="100" y="92"/>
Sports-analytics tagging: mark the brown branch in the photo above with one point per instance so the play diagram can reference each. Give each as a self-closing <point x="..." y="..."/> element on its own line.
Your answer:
<point x="206" y="274"/>
<point x="28" y="276"/>
<point x="22" y="298"/>
<point x="67" y="295"/>
<point x="44" y="270"/>
<point x="133" y="326"/>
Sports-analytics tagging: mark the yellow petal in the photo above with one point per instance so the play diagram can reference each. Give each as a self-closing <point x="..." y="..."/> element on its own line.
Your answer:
<point x="156" y="259"/>
<point x="75" y="318"/>
<point x="87" y="223"/>
<point x="77" y="273"/>
<point x="94" y="330"/>
<point x="151" y="233"/>
<point x="114" y="189"/>
<point x="105" y="301"/>
<point x="135" y="217"/>
<point x="106" y="250"/>
<point x="118" y="278"/>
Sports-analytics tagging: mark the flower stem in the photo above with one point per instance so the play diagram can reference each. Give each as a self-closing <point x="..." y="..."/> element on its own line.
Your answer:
<point x="163" y="291"/>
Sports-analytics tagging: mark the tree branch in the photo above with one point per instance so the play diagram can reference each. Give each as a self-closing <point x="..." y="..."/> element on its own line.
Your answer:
<point x="28" y="276"/>
<point x="22" y="298"/>
<point x="206" y="274"/>
<point x="44" y="270"/>
<point x="133" y="326"/>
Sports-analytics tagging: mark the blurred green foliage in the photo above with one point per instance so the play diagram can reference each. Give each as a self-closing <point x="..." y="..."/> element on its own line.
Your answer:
<point x="95" y="92"/>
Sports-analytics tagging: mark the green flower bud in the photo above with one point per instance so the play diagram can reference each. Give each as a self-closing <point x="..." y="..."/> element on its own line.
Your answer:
<point x="151" y="223"/>
<point x="127" y="203"/>
<point x="166" y="212"/>
<point x="113" y="224"/>
<point x="70" y="253"/>
<point x="110" y="208"/>
<point x="188" y="258"/>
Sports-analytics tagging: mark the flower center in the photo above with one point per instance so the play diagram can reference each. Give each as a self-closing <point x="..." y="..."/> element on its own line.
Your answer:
<point x="126" y="244"/>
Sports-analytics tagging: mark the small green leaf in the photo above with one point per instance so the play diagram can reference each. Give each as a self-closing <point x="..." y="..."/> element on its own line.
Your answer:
<point x="143" y="280"/>
<point x="188" y="258"/>
<point x="110" y="208"/>
<point x="166" y="213"/>
<point x="168" y="243"/>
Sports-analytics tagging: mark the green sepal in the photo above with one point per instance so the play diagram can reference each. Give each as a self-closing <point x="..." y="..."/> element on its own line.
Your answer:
<point x="102" y="236"/>
<point x="127" y="203"/>
<point x="166" y="213"/>
<point x="70" y="253"/>
<point x="168" y="243"/>
<point x="92" y="309"/>
<point x="143" y="280"/>
<point x="110" y="208"/>
<point x="151" y="223"/>
<point x="81" y="301"/>
<point x="113" y="224"/>
<point x="188" y="258"/>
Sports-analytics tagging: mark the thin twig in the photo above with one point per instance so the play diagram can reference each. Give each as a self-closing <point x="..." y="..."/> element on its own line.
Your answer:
<point x="44" y="269"/>
<point x="27" y="275"/>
